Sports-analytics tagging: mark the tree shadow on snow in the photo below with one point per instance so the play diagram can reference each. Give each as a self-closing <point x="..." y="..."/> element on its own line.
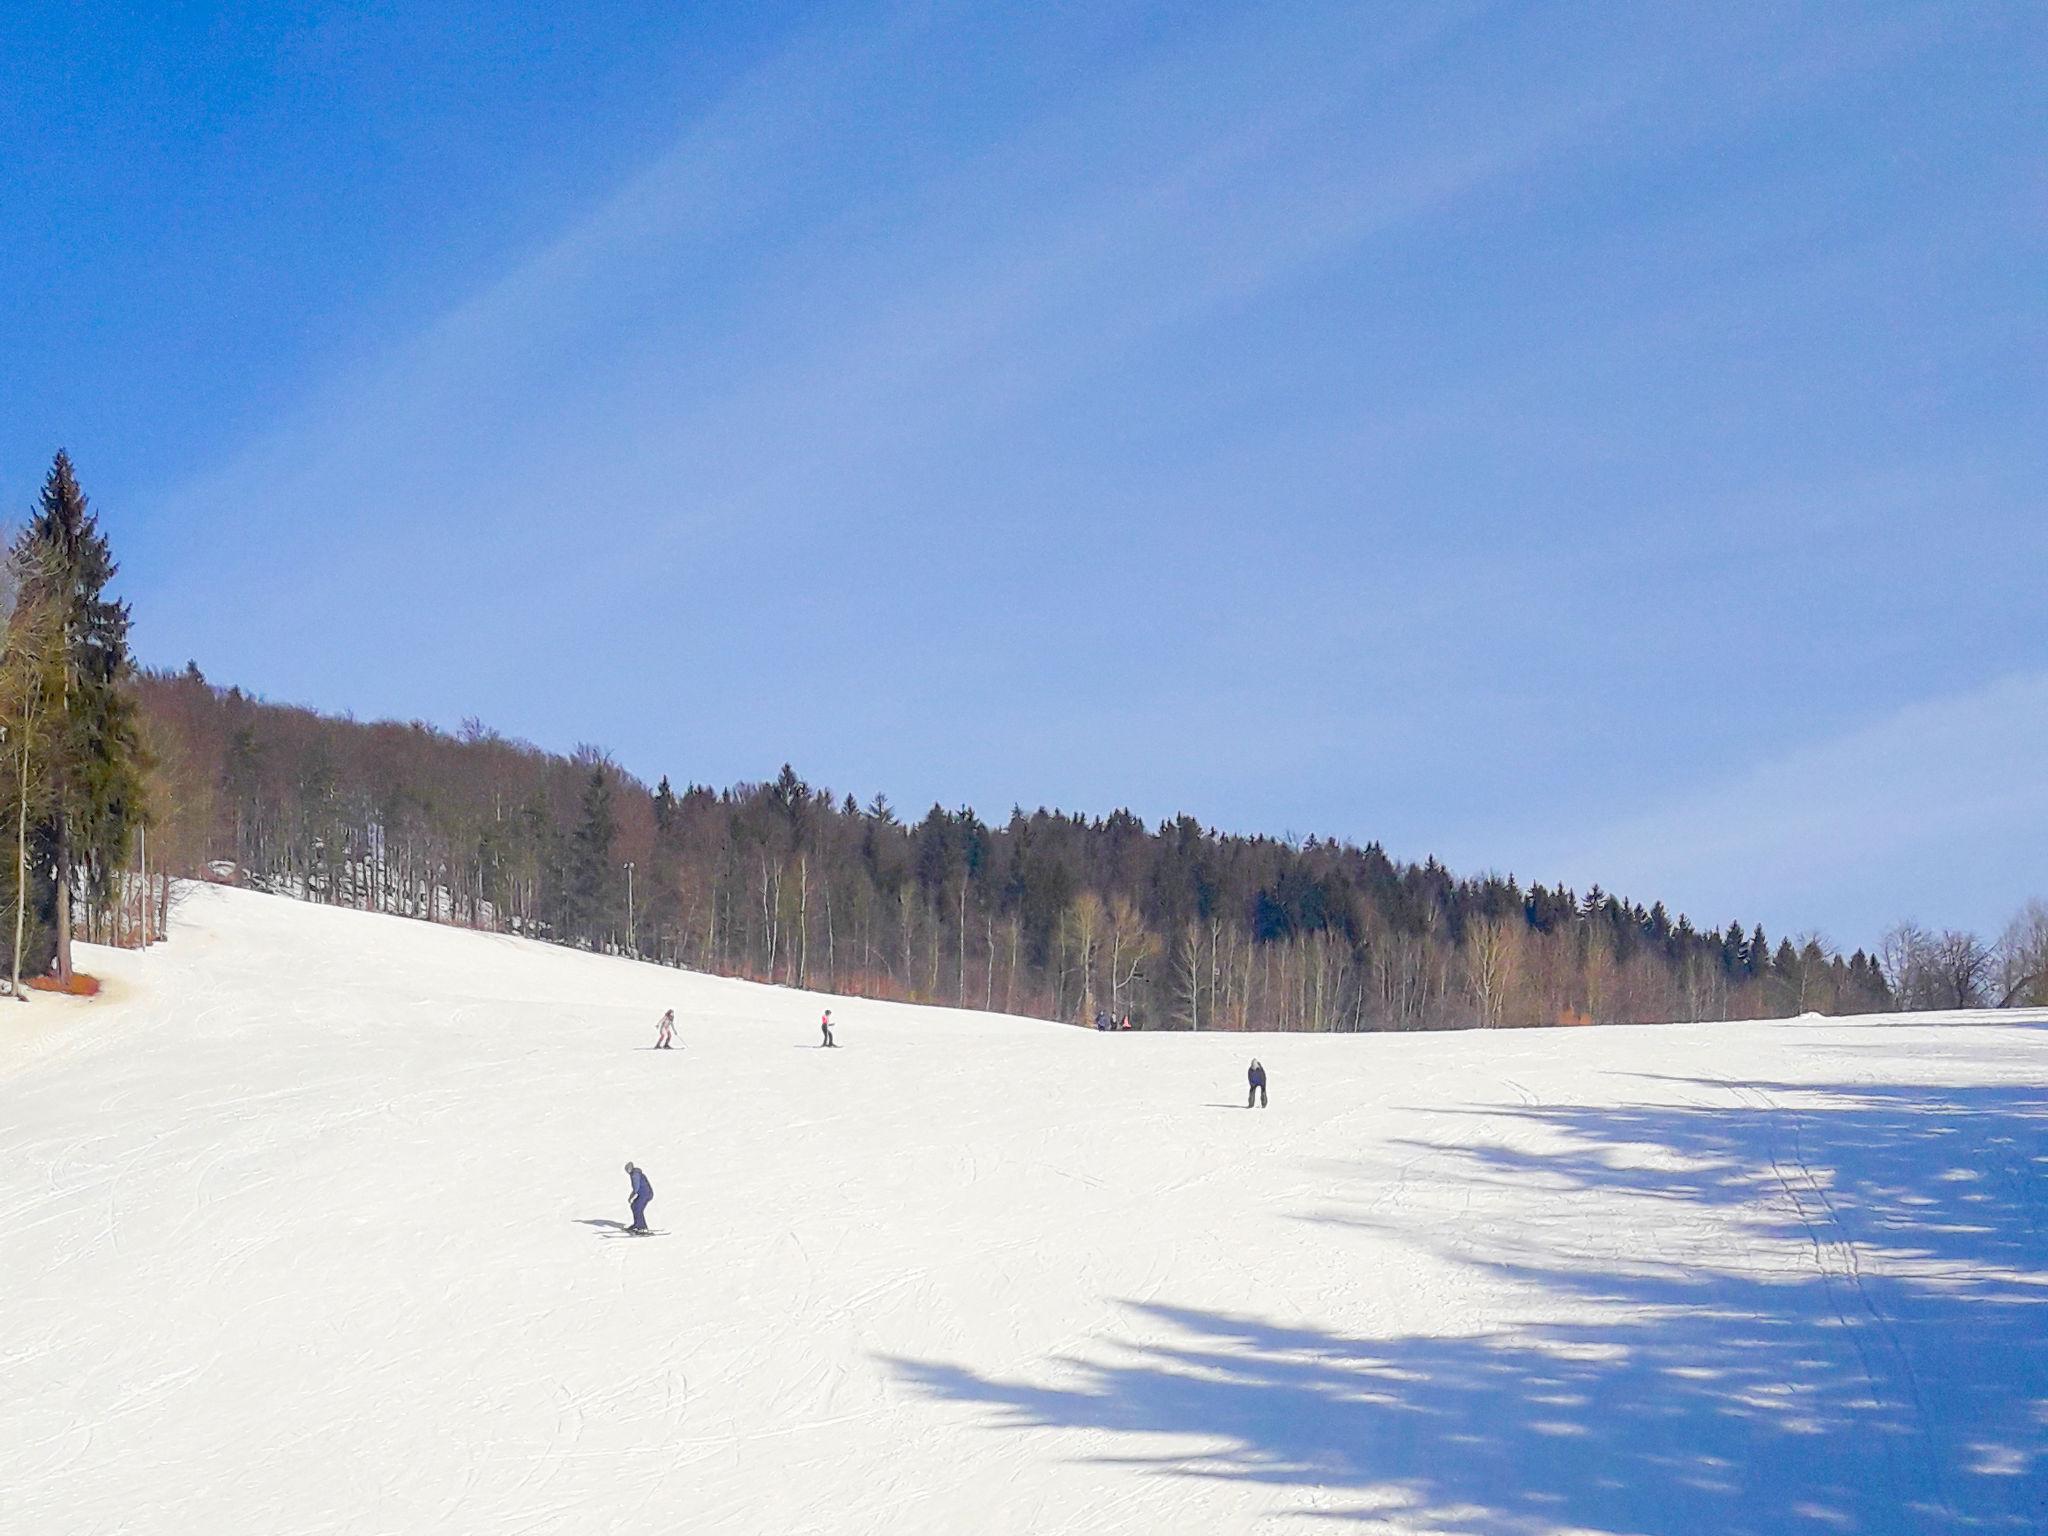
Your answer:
<point x="1881" y="1368"/>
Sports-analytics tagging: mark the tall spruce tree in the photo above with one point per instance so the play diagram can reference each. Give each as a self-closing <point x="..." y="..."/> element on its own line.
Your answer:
<point x="589" y="895"/>
<point x="96" y="762"/>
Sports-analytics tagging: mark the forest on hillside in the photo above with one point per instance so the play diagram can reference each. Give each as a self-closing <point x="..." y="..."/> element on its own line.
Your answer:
<point x="118" y="778"/>
<point x="1058" y="915"/>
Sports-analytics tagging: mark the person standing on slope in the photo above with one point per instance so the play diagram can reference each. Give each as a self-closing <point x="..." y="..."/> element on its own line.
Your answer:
<point x="825" y="1024"/>
<point x="642" y="1193"/>
<point x="1257" y="1078"/>
<point x="665" y="1032"/>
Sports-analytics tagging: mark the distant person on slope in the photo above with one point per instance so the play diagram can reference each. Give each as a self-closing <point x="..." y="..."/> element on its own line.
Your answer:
<point x="642" y="1193"/>
<point x="1257" y="1078"/>
<point x="665" y="1032"/>
<point x="825" y="1024"/>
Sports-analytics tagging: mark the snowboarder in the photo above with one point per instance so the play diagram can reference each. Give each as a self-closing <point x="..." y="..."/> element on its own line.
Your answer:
<point x="1257" y="1078"/>
<point x="642" y="1193"/>
<point x="665" y="1032"/>
<point x="825" y="1024"/>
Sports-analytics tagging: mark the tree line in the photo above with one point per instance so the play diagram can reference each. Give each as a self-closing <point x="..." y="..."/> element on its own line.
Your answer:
<point x="1048" y="913"/>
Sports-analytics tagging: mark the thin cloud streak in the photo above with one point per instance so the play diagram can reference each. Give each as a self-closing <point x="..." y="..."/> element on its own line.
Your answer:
<point x="808" y="442"/>
<point x="1950" y="790"/>
<point x="1154" y="239"/>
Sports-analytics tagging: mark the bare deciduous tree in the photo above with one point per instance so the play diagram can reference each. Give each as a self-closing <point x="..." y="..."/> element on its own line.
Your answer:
<point x="1084" y="926"/>
<point x="31" y="688"/>
<point x="2023" y="958"/>
<point x="1492" y="958"/>
<point x="1131" y="946"/>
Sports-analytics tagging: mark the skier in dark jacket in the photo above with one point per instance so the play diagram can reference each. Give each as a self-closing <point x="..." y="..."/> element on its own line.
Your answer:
<point x="1257" y="1078"/>
<point x="642" y="1193"/>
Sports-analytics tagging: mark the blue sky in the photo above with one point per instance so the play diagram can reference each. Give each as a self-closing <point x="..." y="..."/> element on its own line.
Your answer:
<point x="1583" y="441"/>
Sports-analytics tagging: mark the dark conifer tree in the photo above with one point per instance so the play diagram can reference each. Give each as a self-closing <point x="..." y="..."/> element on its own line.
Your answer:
<point x="588" y="894"/>
<point x="1731" y="950"/>
<point x="97" y="765"/>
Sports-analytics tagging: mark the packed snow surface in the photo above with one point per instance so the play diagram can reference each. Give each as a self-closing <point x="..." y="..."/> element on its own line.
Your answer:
<point x="312" y="1224"/>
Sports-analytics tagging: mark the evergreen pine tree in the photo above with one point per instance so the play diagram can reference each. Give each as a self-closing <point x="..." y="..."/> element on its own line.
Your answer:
<point x="588" y="895"/>
<point x="97" y="762"/>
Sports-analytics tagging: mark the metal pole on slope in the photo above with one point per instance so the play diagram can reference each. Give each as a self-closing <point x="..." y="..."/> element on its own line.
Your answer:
<point x="632" y="945"/>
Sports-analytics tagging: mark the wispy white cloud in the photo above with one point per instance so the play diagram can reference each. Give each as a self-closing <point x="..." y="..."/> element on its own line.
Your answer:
<point x="1946" y="798"/>
<point x="808" y="408"/>
<point x="871" y="338"/>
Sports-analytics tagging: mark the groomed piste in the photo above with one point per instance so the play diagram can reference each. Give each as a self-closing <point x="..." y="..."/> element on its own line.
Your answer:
<point x="310" y="1224"/>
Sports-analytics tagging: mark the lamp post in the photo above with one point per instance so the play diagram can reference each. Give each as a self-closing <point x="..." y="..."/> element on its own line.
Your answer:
<point x="632" y="944"/>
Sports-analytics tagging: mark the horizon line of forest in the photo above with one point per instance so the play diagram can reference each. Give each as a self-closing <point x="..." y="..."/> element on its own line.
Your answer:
<point x="1051" y="913"/>
<point x="121" y="777"/>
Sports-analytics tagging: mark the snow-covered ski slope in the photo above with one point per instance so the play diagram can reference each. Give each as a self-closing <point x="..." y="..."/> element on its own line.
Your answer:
<point x="307" y="1227"/>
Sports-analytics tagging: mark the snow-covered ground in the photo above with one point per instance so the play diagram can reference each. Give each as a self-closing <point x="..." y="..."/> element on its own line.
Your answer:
<point x="310" y="1225"/>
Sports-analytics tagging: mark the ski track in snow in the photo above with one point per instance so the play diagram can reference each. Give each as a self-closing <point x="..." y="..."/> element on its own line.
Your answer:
<point x="302" y="1230"/>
